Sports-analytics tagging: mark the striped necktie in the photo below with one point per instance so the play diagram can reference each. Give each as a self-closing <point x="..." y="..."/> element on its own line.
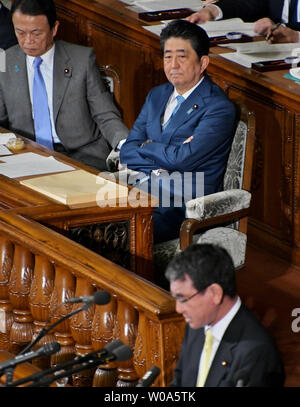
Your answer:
<point x="205" y="360"/>
<point x="180" y="99"/>
<point x="41" y="114"/>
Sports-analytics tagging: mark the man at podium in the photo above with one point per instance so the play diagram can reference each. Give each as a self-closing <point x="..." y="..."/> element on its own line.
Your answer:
<point x="266" y="15"/>
<point x="52" y="92"/>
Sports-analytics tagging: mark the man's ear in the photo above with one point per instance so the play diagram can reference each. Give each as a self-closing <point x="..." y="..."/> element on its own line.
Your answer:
<point x="204" y="62"/>
<point x="216" y="292"/>
<point x="55" y="28"/>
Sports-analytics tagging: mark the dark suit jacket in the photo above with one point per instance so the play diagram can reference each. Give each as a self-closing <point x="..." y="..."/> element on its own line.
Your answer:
<point x="7" y="32"/>
<point x="252" y="10"/>
<point x="86" y="120"/>
<point x="209" y="116"/>
<point x="245" y="347"/>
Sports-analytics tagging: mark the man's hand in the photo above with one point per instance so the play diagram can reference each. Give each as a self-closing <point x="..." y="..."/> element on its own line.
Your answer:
<point x="206" y="14"/>
<point x="283" y="34"/>
<point x="263" y="26"/>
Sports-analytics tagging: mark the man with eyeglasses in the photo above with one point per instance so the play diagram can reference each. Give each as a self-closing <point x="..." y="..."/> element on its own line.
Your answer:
<point x="224" y="344"/>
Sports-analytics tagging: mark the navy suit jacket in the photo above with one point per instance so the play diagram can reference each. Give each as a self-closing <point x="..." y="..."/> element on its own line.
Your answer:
<point x="252" y="10"/>
<point x="207" y="114"/>
<point x="245" y="347"/>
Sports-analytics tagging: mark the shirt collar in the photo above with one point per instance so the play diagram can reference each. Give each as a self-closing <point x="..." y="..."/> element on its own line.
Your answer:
<point x="220" y="327"/>
<point x="187" y="94"/>
<point x="48" y="58"/>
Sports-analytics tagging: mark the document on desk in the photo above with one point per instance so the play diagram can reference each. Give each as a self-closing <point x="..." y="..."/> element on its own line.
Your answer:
<point x="215" y="28"/>
<point x="28" y="164"/>
<point x="223" y="27"/>
<point x="158" y="5"/>
<point x="258" y="51"/>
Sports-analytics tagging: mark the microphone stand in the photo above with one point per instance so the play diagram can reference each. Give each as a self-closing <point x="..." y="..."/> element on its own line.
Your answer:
<point x="90" y="357"/>
<point x="9" y="371"/>
<point x="43" y="382"/>
<point x="44" y="331"/>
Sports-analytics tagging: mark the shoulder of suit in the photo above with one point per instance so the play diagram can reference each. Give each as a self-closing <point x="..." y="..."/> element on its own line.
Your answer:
<point x="73" y="49"/>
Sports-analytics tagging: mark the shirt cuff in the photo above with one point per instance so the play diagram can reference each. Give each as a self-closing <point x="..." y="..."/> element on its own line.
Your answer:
<point x="220" y="12"/>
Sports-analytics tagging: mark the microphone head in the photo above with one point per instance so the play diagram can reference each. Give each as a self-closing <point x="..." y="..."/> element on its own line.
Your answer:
<point x="122" y="353"/>
<point x="50" y="348"/>
<point x="241" y="376"/>
<point x="149" y="377"/>
<point x="113" y="345"/>
<point x="101" y="297"/>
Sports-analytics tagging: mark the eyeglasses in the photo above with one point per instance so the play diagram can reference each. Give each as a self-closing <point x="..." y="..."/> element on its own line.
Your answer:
<point x="184" y="300"/>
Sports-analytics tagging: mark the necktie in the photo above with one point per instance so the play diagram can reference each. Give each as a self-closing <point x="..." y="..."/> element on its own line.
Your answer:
<point x="180" y="99"/>
<point x="293" y="12"/>
<point x="204" y="367"/>
<point x="42" y="123"/>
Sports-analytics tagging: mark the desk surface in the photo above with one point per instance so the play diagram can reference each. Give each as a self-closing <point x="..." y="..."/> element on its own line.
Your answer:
<point x="123" y="227"/>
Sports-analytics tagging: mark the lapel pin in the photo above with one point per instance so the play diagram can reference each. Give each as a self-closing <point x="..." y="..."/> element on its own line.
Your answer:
<point x="17" y="68"/>
<point x="190" y="111"/>
<point x="195" y="106"/>
<point x="67" y="72"/>
<point x="224" y="363"/>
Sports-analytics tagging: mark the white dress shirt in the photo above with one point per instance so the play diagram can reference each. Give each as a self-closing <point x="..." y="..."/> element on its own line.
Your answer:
<point x="172" y="102"/>
<point x="219" y="329"/>
<point x="46" y="69"/>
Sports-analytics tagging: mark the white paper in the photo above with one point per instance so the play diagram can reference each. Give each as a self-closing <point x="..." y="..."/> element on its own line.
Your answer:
<point x="214" y="28"/>
<point x="4" y="137"/>
<point x="157" y="5"/>
<point x="4" y="151"/>
<point x="27" y="164"/>
<point x="247" y="60"/>
<point x="262" y="47"/>
<point x="222" y="27"/>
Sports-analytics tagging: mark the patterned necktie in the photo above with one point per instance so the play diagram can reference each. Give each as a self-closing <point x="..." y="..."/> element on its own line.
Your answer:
<point x="205" y="365"/>
<point x="180" y="99"/>
<point x="293" y="11"/>
<point x="41" y="115"/>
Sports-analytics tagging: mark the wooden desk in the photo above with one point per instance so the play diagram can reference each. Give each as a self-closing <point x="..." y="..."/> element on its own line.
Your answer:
<point x="123" y="234"/>
<point x="119" y="40"/>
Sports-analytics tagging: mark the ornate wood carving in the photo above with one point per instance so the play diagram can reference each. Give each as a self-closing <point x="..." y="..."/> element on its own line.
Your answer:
<point x="110" y="240"/>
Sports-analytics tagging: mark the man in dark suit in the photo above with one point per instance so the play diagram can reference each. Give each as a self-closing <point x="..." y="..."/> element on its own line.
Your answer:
<point x="194" y="140"/>
<point x="265" y="13"/>
<point x="83" y="121"/>
<point x="241" y="352"/>
<point x="7" y="32"/>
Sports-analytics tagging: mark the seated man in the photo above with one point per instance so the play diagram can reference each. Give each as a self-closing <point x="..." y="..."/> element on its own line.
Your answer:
<point x="224" y="344"/>
<point x="265" y="13"/>
<point x="7" y="32"/>
<point x="196" y="139"/>
<point x="52" y="92"/>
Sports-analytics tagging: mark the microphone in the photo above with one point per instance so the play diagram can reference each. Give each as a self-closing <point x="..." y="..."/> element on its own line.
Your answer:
<point x="89" y="358"/>
<point x="99" y="298"/>
<point x="45" y="350"/>
<point x="241" y="378"/>
<point x="119" y="354"/>
<point x="149" y="377"/>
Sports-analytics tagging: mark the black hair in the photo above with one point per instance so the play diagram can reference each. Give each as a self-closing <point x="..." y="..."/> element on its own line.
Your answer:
<point x="205" y="264"/>
<point x="36" y="8"/>
<point x="188" y="31"/>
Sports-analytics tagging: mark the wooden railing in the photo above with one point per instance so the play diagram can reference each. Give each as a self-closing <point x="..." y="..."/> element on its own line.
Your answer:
<point x="41" y="269"/>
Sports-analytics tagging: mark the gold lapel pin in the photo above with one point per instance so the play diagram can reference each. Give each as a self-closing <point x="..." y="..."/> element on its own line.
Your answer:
<point x="224" y="363"/>
<point x="195" y="106"/>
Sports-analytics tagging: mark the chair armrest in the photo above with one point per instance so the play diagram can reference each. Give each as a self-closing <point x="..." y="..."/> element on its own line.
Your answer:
<point x="220" y="203"/>
<point x="211" y="210"/>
